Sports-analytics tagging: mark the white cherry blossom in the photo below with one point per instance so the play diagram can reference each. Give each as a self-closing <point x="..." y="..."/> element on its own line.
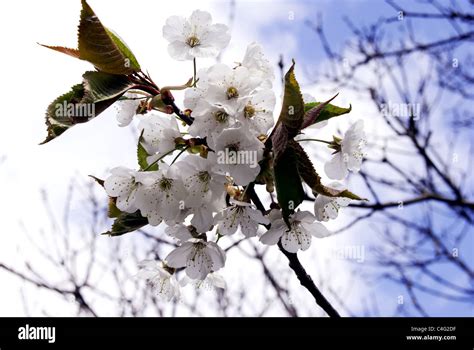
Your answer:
<point x="203" y="217"/>
<point x="205" y="191"/>
<point x="210" y="118"/>
<point x="194" y="95"/>
<point x="159" y="132"/>
<point x="126" y="109"/>
<point x="212" y="281"/>
<point x="255" y="61"/>
<point x="326" y="208"/>
<point x="162" y="195"/>
<point x="229" y="86"/>
<point x="195" y="36"/>
<point x="303" y="227"/>
<point x="180" y="232"/>
<point x="122" y="184"/>
<point x="237" y="154"/>
<point x="242" y="215"/>
<point x="164" y="283"/>
<point x="349" y="158"/>
<point x="199" y="257"/>
<point x="202" y="183"/>
<point x="256" y="112"/>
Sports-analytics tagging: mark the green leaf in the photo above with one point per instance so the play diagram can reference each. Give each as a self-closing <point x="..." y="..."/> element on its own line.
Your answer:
<point x="292" y="111"/>
<point x="291" y="116"/>
<point x="288" y="184"/>
<point x="289" y="189"/>
<point x="266" y="175"/>
<point x="129" y="58"/>
<point x="310" y="176"/>
<point x="279" y="140"/>
<point x="127" y="222"/>
<point x="112" y="210"/>
<point x="311" y="116"/>
<point x="100" y="46"/>
<point x="101" y="86"/>
<point x="142" y="156"/>
<point x="84" y="102"/>
<point x="58" y="116"/>
<point x="330" y="111"/>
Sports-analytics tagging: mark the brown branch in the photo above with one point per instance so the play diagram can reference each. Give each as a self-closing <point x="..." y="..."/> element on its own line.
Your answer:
<point x="418" y="47"/>
<point x="422" y="198"/>
<point x="449" y="15"/>
<point x="76" y="292"/>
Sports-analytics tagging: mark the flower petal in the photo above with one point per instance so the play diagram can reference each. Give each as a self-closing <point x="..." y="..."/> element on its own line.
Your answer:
<point x="317" y="229"/>
<point x="199" y="265"/>
<point x="202" y="219"/>
<point x="179" y="50"/>
<point x="179" y="257"/>
<point x="336" y="168"/>
<point x="296" y="239"/>
<point x="272" y="236"/>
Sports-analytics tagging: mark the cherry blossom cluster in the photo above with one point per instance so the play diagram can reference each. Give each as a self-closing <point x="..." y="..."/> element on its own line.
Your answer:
<point x="198" y="173"/>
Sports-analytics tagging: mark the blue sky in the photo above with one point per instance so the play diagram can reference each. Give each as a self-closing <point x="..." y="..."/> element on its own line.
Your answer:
<point x="293" y="32"/>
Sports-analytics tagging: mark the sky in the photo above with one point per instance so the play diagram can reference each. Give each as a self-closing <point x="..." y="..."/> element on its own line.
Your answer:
<point x="34" y="76"/>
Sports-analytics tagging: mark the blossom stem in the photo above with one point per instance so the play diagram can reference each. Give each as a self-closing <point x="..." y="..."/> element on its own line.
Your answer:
<point x="194" y="65"/>
<point x="179" y="154"/>
<point x="156" y="161"/>
<point x="181" y="115"/>
<point x="133" y="98"/>
<point x="317" y="140"/>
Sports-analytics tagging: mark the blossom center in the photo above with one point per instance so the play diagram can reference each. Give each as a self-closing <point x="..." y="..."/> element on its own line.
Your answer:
<point x="233" y="148"/>
<point x="200" y="254"/>
<point x="232" y="92"/>
<point x="236" y="212"/>
<point x="358" y="153"/>
<point x="204" y="176"/>
<point x="295" y="223"/>
<point x="249" y="111"/>
<point x="295" y="227"/>
<point x="221" y="116"/>
<point x="193" y="41"/>
<point x="165" y="184"/>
